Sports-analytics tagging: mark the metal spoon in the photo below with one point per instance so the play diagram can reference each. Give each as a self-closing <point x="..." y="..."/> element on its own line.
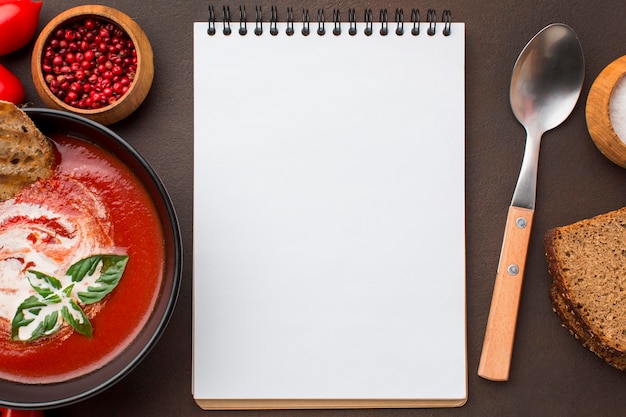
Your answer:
<point x="545" y="86"/>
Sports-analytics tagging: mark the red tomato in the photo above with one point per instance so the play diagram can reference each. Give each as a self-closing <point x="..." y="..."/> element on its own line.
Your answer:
<point x="18" y="23"/>
<point x="11" y="88"/>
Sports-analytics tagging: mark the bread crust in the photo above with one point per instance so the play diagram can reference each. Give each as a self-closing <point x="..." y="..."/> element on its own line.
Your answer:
<point x="568" y="307"/>
<point x="26" y="155"/>
<point x="581" y="331"/>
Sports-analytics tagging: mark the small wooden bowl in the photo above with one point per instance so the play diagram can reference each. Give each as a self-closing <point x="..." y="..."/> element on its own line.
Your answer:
<point x="598" y="115"/>
<point x="139" y="87"/>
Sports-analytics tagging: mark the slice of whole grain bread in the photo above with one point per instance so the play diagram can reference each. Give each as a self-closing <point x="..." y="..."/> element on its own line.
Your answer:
<point x="25" y="153"/>
<point x="572" y="322"/>
<point x="587" y="261"/>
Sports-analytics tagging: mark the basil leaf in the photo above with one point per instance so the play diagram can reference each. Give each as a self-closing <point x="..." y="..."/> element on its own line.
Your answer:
<point x="67" y="291"/>
<point x="33" y="304"/>
<point x="110" y="274"/>
<point x="44" y="313"/>
<point x="76" y="317"/>
<point x="50" y="324"/>
<point x="78" y="270"/>
<point x="29" y="311"/>
<point x="87" y="266"/>
<point x="42" y="283"/>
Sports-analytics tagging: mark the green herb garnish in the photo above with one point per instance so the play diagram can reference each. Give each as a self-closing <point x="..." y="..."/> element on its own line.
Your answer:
<point x="58" y="300"/>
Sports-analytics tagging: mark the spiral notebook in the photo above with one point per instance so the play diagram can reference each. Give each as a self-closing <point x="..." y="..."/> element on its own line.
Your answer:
<point x="329" y="211"/>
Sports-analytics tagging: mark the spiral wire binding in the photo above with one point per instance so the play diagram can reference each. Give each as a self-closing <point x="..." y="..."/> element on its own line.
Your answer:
<point x="274" y="22"/>
<point x="226" y="20"/>
<point x="289" y="31"/>
<point x="258" y="21"/>
<point x="336" y="22"/>
<point x="352" y="20"/>
<point x="243" y="21"/>
<point x="399" y="22"/>
<point x="415" y="18"/>
<point x="431" y="17"/>
<point x="321" y="20"/>
<point x="369" y="22"/>
<point x="306" y="20"/>
<point x="447" y="22"/>
<point x="383" y="20"/>
<point x="211" y="29"/>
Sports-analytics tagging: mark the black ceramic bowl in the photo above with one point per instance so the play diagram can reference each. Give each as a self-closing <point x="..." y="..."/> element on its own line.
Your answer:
<point x="41" y="396"/>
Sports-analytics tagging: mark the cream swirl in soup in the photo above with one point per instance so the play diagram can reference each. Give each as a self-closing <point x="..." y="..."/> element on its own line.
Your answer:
<point x="47" y="231"/>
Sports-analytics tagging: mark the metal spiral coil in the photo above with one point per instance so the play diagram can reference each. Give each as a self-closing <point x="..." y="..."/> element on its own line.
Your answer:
<point x="384" y="22"/>
<point x="289" y="31"/>
<point x="211" y="29"/>
<point x="306" y="20"/>
<point x="431" y="18"/>
<point x="321" y="20"/>
<point x="337" y="22"/>
<point x="243" y="21"/>
<point x="258" y="21"/>
<point x="447" y="22"/>
<point x="415" y="18"/>
<point x="368" y="20"/>
<point x="274" y="22"/>
<point x="352" y="20"/>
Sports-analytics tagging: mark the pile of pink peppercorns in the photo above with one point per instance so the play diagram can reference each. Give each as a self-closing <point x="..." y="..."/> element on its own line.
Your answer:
<point x="89" y="64"/>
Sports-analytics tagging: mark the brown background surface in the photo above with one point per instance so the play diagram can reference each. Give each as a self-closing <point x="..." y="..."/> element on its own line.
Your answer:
<point x="551" y="373"/>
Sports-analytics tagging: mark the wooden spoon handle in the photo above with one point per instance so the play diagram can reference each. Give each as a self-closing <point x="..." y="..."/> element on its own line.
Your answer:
<point x="495" y="359"/>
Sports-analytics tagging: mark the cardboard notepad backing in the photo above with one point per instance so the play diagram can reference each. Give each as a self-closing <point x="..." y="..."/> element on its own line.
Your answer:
<point x="329" y="219"/>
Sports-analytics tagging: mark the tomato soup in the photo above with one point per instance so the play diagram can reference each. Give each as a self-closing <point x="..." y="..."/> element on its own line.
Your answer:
<point x="119" y="214"/>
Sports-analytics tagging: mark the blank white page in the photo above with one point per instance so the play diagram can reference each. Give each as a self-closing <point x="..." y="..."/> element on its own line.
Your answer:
<point x="329" y="219"/>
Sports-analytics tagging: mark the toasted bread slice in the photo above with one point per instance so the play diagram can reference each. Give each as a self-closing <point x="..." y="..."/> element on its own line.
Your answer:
<point x="587" y="261"/>
<point x="25" y="153"/>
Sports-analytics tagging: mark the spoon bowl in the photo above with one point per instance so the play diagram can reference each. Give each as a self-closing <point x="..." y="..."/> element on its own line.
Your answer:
<point x="546" y="83"/>
<point x="547" y="79"/>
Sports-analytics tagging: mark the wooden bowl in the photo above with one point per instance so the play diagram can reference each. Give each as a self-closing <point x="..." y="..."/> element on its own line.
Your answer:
<point x="139" y="87"/>
<point x="598" y="115"/>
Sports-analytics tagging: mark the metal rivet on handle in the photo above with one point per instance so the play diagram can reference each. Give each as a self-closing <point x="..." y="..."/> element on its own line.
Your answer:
<point x="513" y="269"/>
<point x="521" y="222"/>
